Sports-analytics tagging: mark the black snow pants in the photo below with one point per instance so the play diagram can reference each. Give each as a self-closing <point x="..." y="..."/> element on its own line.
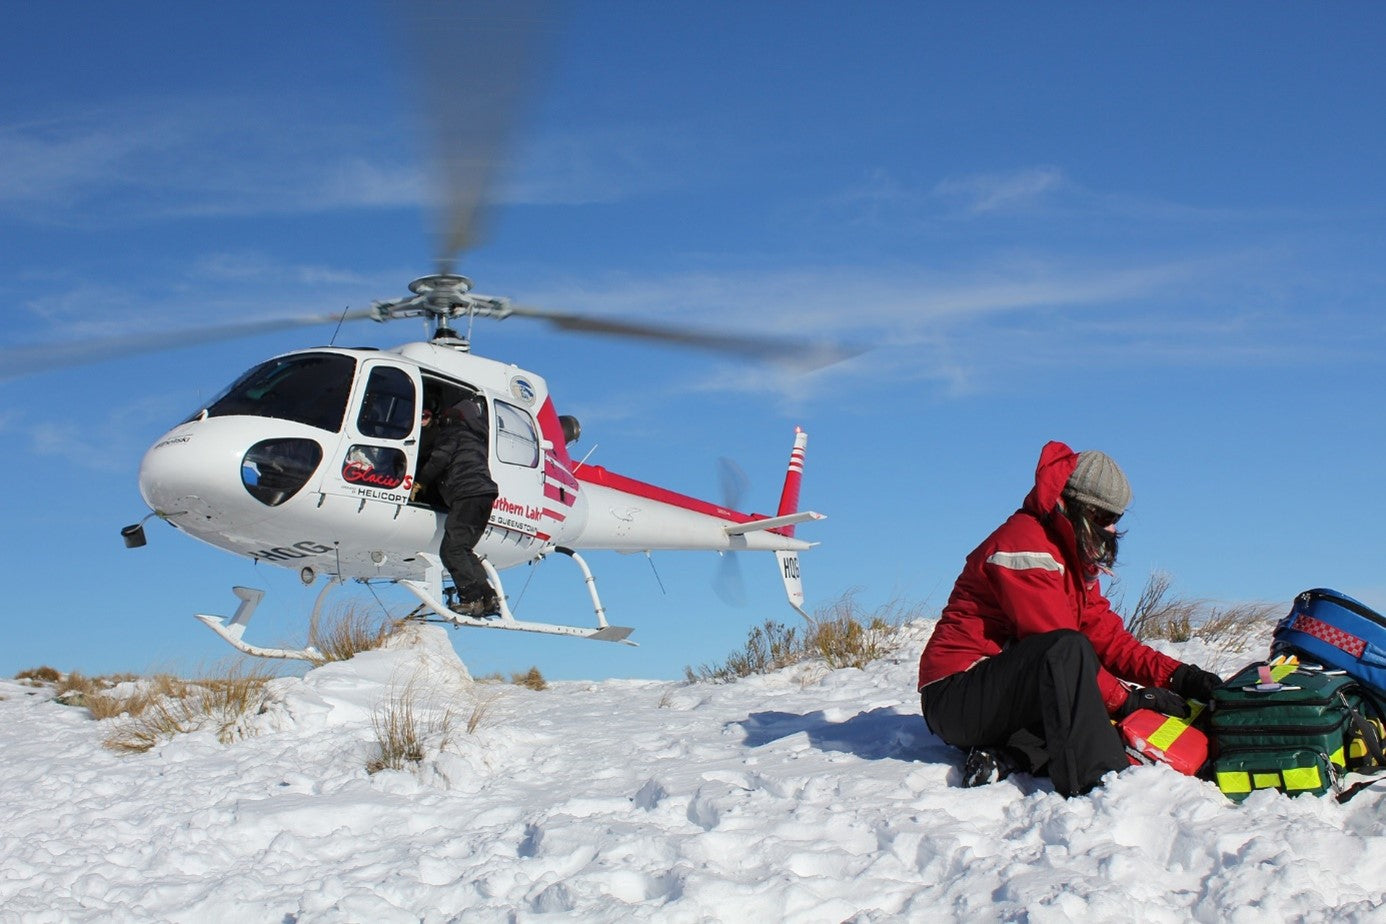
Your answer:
<point x="467" y="518"/>
<point x="1038" y="698"/>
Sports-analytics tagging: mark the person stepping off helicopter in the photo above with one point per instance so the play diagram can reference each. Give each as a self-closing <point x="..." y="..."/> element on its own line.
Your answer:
<point x="458" y="467"/>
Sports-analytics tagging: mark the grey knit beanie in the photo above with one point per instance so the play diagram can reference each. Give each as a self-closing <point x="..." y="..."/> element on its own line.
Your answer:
<point x="1099" y="481"/>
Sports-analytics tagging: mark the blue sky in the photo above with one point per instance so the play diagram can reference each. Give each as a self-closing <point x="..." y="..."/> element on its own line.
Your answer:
<point x="1153" y="230"/>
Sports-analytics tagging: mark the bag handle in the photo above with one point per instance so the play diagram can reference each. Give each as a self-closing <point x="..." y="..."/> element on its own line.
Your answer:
<point x="1370" y="738"/>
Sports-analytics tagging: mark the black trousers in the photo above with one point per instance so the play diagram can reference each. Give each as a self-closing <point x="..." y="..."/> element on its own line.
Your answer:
<point x="467" y="517"/>
<point x="1040" y="699"/>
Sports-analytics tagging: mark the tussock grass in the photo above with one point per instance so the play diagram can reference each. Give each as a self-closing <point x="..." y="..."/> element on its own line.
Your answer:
<point x="37" y="676"/>
<point x="839" y="634"/>
<point x="480" y="712"/>
<point x="531" y="679"/>
<point x="132" y="697"/>
<point x="163" y="706"/>
<point x="347" y="632"/>
<point x="407" y="727"/>
<point x="399" y="733"/>
<point x="71" y="689"/>
<point x="1158" y="614"/>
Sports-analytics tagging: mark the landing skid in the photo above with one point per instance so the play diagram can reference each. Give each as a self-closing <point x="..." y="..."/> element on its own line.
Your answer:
<point x="430" y="594"/>
<point x="232" y="629"/>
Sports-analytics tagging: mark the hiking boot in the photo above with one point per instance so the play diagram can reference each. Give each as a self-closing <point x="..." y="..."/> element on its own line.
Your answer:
<point x="490" y="605"/>
<point x="985" y="765"/>
<point x="473" y="608"/>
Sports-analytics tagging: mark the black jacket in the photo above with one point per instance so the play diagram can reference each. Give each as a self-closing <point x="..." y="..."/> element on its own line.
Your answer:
<point x="458" y="465"/>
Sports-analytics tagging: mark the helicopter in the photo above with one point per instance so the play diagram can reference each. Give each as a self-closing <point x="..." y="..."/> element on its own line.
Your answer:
<point x="308" y="461"/>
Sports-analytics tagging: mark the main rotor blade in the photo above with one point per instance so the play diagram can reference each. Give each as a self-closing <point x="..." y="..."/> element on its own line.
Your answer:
<point x="473" y="62"/>
<point x="803" y="355"/>
<point x="26" y="360"/>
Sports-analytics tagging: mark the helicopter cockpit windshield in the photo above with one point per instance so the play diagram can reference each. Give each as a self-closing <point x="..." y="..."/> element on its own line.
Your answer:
<point x="310" y="388"/>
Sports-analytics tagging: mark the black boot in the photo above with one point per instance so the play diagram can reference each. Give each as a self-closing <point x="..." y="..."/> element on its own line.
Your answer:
<point x="986" y="765"/>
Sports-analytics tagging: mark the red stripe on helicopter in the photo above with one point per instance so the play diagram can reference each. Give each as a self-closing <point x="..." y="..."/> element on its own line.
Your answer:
<point x="595" y="474"/>
<point x="560" y="474"/>
<point x="565" y="496"/>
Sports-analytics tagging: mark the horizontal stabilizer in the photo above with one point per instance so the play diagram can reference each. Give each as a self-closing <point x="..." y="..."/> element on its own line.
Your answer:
<point x="739" y="529"/>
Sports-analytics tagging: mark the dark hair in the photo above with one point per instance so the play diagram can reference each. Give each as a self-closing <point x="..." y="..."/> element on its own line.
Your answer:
<point x="1096" y="544"/>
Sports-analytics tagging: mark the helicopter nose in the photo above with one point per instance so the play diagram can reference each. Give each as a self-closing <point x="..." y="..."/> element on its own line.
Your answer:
<point x="213" y="474"/>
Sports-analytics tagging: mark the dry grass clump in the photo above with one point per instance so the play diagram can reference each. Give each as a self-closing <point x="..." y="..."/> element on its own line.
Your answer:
<point x="348" y="632"/>
<point x="839" y="635"/>
<point x="399" y="735"/>
<point x="406" y="727"/>
<point x="1159" y="615"/>
<point x="530" y="678"/>
<point x="37" y="676"/>
<point x="768" y="647"/>
<point x="110" y="702"/>
<point x="71" y="689"/>
<point x="844" y="637"/>
<point x="165" y="706"/>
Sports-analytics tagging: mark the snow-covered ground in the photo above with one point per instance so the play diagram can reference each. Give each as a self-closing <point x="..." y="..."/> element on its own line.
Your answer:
<point x="805" y="795"/>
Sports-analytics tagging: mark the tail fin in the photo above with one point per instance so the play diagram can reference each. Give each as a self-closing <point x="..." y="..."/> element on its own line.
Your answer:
<point x="788" y="562"/>
<point x="793" y="478"/>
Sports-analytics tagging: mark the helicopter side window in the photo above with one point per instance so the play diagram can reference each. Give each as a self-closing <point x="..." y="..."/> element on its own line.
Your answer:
<point x="374" y="466"/>
<point x="310" y="388"/>
<point x="516" y="440"/>
<point x="387" y="410"/>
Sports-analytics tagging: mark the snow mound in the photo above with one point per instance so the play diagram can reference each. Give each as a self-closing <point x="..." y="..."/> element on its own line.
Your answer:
<point x="804" y="795"/>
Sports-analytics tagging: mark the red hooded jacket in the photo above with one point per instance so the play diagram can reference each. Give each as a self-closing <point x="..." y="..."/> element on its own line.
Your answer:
<point x="1027" y="578"/>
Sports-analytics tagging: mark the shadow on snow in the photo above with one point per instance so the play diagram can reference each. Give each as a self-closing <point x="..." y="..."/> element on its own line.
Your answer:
<point x="880" y="734"/>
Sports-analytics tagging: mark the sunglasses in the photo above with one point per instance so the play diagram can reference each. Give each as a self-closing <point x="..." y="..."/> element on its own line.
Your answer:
<point x="1102" y="519"/>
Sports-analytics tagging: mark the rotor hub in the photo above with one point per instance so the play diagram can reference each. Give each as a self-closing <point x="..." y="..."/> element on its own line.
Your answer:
<point x="443" y="291"/>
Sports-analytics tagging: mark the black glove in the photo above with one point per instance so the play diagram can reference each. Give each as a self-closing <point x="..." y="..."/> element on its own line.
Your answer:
<point x="1193" y="682"/>
<point x="1159" y="699"/>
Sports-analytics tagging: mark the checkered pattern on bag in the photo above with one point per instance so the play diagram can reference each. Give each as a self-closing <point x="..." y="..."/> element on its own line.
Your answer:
<point x="1331" y="634"/>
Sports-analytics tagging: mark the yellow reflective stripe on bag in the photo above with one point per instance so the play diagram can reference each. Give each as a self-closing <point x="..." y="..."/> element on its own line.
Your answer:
<point x="1302" y="778"/>
<point x="1234" y="781"/>
<point x="1292" y="780"/>
<point x="1174" y="726"/>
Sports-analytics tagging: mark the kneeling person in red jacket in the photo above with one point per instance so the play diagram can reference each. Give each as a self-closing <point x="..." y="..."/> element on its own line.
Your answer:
<point x="1021" y="670"/>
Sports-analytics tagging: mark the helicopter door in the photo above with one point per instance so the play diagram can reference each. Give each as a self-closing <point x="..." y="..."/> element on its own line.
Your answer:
<point x="518" y="473"/>
<point x="381" y="436"/>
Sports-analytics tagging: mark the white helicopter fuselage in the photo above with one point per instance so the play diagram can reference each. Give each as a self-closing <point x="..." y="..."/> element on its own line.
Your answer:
<point x="308" y="462"/>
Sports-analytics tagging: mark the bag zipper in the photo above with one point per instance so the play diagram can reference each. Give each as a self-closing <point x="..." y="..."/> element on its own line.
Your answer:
<point x="1346" y="603"/>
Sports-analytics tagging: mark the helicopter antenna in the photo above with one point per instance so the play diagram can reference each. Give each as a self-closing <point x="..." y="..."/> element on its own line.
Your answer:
<point x="583" y="460"/>
<point x="338" y="329"/>
<point x="650" y="558"/>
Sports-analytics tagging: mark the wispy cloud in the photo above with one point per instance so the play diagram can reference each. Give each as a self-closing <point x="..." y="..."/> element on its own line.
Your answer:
<point x="1044" y="192"/>
<point x="993" y="192"/>
<point x="178" y="157"/>
<point x="102" y="443"/>
<point x="190" y="157"/>
<point x="978" y="329"/>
